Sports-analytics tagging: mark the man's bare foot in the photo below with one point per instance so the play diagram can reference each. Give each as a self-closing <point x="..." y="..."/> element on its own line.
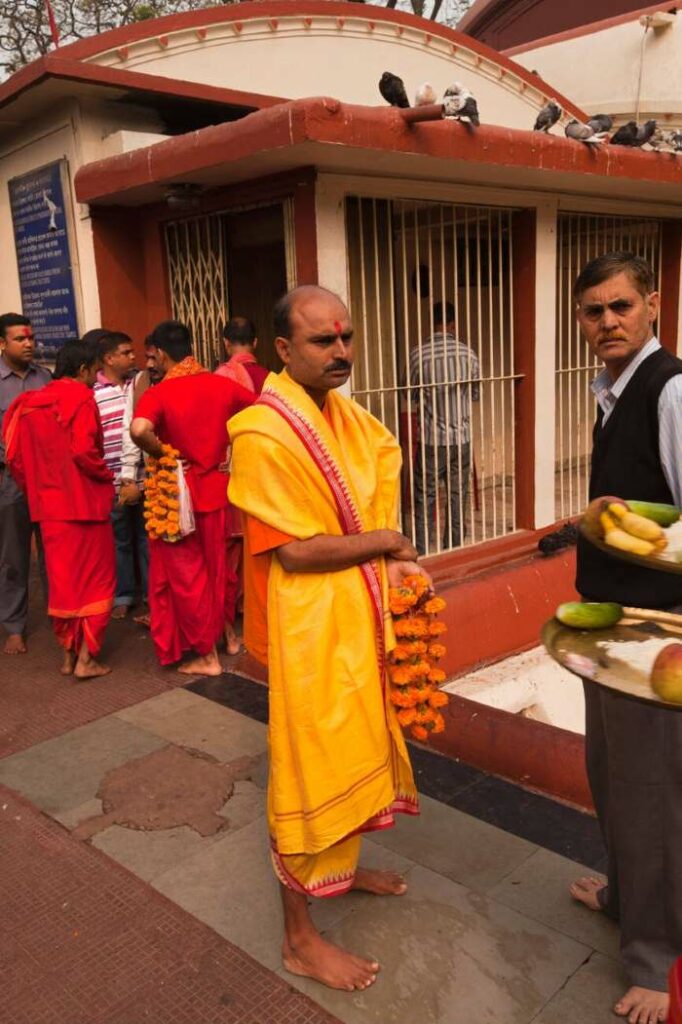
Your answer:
<point x="68" y="663"/>
<point x="585" y="890"/>
<point x="14" y="644"/>
<point x="86" y="667"/>
<point x="316" y="958"/>
<point x="207" y="665"/>
<point x="381" y="883"/>
<point x="143" y="619"/>
<point x="233" y="643"/>
<point x="119" y="611"/>
<point x="643" y="1006"/>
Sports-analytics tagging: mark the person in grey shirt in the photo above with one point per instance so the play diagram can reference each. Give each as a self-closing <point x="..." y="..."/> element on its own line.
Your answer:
<point x="18" y="373"/>
<point x="444" y="375"/>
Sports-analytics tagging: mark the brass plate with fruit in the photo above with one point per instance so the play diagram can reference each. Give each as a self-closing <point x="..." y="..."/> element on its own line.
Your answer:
<point x="622" y="657"/>
<point x="644" y="533"/>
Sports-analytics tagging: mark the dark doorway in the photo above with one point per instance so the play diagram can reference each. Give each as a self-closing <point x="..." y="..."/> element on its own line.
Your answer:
<point x="256" y="271"/>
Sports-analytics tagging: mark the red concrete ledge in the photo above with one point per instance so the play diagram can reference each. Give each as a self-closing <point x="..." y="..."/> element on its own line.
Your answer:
<point x="327" y="121"/>
<point x="534" y="755"/>
<point x="500" y="611"/>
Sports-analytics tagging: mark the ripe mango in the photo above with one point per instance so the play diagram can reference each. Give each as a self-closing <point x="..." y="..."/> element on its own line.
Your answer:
<point x="589" y="614"/>
<point x="664" y="515"/>
<point x="666" y="674"/>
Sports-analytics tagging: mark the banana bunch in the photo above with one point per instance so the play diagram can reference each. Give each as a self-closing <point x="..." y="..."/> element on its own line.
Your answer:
<point x="631" y="532"/>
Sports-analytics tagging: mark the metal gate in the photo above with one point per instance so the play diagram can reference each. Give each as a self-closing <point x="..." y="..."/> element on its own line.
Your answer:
<point x="580" y="238"/>
<point x="195" y="251"/>
<point x="446" y="391"/>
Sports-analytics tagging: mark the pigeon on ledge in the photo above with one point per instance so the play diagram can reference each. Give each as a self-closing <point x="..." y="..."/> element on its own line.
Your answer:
<point x="630" y="135"/>
<point x="548" y="116"/>
<point x="583" y="133"/>
<point x="425" y="96"/>
<point x="459" y="103"/>
<point x="600" y="123"/>
<point x="392" y="89"/>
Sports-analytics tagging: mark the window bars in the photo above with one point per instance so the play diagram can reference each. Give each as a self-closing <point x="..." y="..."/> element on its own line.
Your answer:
<point x="195" y="252"/>
<point x="431" y="293"/>
<point x="580" y="238"/>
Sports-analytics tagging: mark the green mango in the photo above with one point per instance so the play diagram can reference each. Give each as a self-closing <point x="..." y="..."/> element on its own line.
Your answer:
<point x="589" y="614"/>
<point x="664" y="515"/>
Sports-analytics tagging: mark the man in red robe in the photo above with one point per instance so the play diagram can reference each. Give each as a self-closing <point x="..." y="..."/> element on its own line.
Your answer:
<point x="243" y="368"/>
<point x="53" y="439"/>
<point x="189" y="410"/>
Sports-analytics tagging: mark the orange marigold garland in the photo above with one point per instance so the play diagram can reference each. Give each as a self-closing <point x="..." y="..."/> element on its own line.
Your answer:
<point x="412" y="664"/>
<point x="161" y="504"/>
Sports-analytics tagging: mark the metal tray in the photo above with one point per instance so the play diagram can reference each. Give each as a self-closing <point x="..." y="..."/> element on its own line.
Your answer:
<point x="580" y="651"/>
<point x="660" y="561"/>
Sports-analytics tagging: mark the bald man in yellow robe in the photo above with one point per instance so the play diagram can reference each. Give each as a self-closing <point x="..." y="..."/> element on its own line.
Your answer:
<point x="318" y="479"/>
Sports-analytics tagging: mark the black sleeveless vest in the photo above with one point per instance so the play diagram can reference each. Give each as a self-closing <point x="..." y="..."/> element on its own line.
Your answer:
<point x="626" y="463"/>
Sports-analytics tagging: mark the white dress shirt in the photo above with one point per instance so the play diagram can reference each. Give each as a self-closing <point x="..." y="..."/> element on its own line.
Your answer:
<point x="607" y="393"/>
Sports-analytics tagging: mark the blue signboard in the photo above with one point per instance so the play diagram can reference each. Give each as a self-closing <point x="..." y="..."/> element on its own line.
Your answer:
<point x="42" y="246"/>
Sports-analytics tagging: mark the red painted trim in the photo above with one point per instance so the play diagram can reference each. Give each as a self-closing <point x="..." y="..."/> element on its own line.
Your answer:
<point x="92" y="74"/>
<point x="501" y="610"/>
<point x="671" y="267"/>
<point x="305" y="231"/>
<point x="589" y="29"/>
<point x="85" y="49"/>
<point x="375" y="129"/>
<point x="524" y="270"/>
<point x="468" y="561"/>
<point x="535" y="755"/>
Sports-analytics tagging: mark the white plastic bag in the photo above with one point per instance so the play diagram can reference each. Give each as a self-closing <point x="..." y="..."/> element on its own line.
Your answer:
<point x="186" y="512"/>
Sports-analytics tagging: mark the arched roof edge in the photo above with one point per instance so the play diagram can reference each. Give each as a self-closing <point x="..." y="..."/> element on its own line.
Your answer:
<point x="85" y="49"/>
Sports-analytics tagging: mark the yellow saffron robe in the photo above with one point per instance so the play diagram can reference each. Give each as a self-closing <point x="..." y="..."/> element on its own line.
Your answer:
<point x="338" y="761"/>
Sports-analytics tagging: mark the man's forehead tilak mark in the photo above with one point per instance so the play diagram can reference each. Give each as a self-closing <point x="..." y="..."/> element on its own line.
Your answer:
<point x="337" y="327"/>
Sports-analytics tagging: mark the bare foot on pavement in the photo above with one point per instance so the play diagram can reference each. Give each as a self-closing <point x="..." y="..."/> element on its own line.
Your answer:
<point x="14" y="644"/>
<point x="643" y="1006"/>
<point x="381" y="883"/>
<point x="68" y="663"/>
<point x="208" y="665"/>
<point x="316" y="958"/>
<point x="585" y="891"/>
<point x="119" y="611"/>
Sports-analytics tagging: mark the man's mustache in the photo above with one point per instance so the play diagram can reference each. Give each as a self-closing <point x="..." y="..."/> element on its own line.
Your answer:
<point x="339" y="364"/>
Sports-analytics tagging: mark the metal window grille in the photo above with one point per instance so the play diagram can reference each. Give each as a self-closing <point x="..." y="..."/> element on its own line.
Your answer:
<point x="580" y="238"/>
<point x="198" y="258"/>
<point x="195" y="253"/>
<point x="450" y="400"/>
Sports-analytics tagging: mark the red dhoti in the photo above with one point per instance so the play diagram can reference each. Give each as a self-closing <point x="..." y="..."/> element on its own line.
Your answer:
<point x="80" y="562"/>
<point x="187" y="589"/>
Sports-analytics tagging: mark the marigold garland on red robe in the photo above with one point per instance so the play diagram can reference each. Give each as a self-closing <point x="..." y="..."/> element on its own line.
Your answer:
<point x="412" y="668"/>
<point x="161" y="504"/>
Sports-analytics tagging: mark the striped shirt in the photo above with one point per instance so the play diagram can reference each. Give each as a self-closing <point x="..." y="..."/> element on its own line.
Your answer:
<point x="450" y="370"/>
<point x="111" y="401"/>
<point x="607" y="393"/>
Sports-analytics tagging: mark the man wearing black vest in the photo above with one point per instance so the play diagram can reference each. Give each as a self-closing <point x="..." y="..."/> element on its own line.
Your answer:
<point x="633" y="750"/>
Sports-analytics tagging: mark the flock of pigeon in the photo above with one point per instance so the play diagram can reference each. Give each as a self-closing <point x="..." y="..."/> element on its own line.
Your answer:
<point x="596" y="129"/>
<point x="457" y="101"/>
<point x="459" y="104"/>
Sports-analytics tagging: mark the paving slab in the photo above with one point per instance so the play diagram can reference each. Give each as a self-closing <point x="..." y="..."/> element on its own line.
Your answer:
<point x="539" y="889"/>
<point x="64" y="772"/>
<point x="200" y="724"/>
<point x="448" y="956"/>
<point x="588" y="996"/>
<point x="456" y="845"/>
<point x="85" y="942"/>
<point x="231" y="887"/>
<point x="151" y="853"/>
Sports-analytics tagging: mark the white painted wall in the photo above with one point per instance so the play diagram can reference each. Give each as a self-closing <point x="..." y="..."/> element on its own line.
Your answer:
<point x="609" y="62"/>
<point x="326" y="56"/>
